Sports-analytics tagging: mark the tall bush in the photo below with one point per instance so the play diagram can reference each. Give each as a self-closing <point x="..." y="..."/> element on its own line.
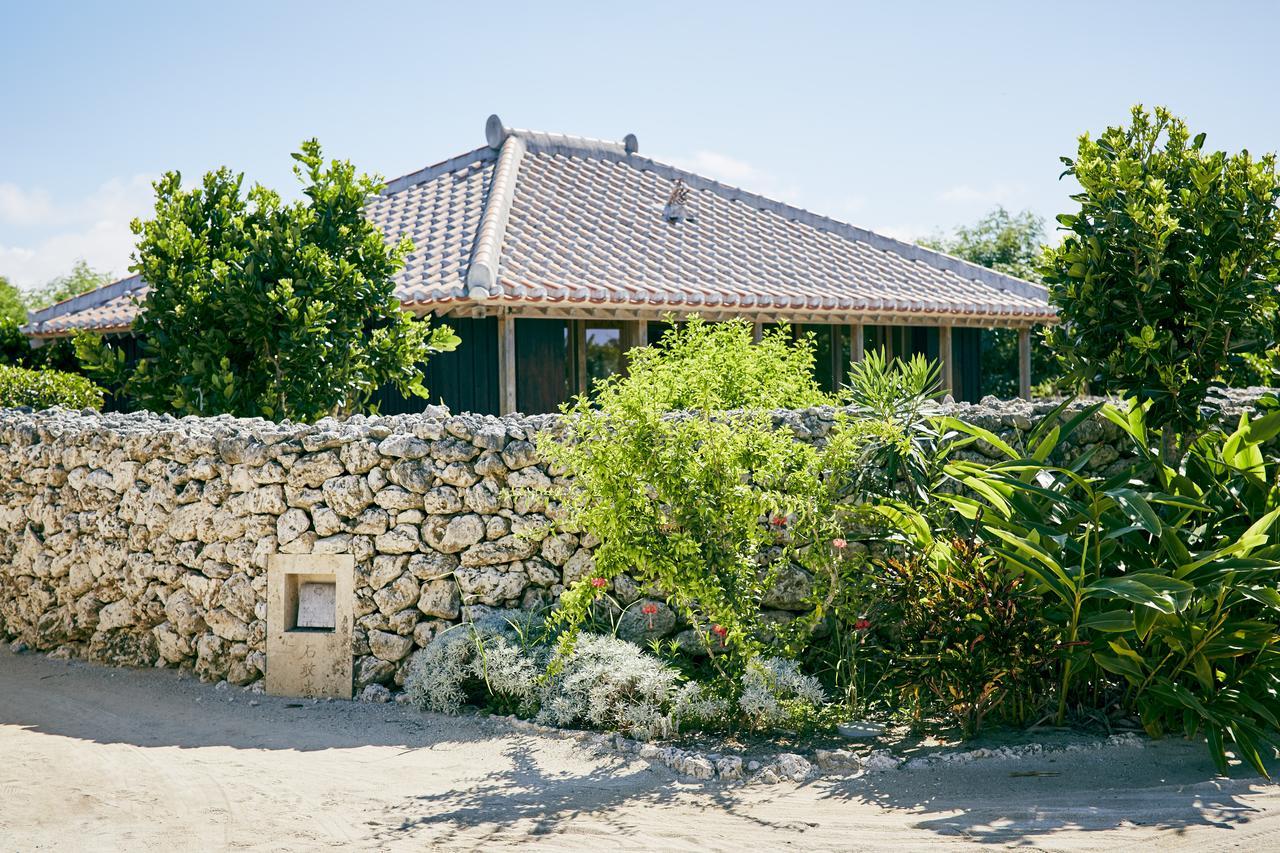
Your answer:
<point x="257" y="307"/>
<point x="1167" y="274"/>
<point x="690" y="501"/>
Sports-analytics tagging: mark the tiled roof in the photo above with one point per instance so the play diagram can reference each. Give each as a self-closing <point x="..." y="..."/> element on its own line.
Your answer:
<point x="554" y="223"/>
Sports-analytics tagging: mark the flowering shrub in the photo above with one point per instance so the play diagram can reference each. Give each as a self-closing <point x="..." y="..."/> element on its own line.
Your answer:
<point x="691" y="502"/>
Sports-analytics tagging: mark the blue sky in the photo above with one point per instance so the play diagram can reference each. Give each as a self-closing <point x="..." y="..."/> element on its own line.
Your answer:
<point x="904" y="117"/>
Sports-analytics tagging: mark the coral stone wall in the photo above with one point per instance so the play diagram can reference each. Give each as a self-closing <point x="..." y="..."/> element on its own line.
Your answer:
<point x="142" y="539"/>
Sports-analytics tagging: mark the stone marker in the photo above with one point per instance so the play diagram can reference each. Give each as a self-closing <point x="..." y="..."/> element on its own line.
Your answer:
<point x="306" y="660"/>
<point x="316" y="605"/>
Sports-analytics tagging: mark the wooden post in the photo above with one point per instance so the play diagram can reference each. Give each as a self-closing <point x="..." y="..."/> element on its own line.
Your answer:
<point x="947" y="361"/>
<point x="635" y="333"/>
<point x="837" y="356"/>
<point x="857" y="343"/>
<point x="580" y="354"/>
<point x="506" y="364"/>
<point x="1024" y="364"/>
<point x="757" y="332"/>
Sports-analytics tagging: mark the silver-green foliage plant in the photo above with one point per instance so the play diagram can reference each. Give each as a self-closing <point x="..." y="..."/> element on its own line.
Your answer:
<point x="602" y="682"/>
<point x="777" y="695"/>
<point x="608" y="683"/>
<point x="485" y="658"/>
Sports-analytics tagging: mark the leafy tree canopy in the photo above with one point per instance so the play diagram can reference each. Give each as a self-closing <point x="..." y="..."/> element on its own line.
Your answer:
<point x="12" y="308"/>
<point x="261" y="308"/>
<point x="1168" y="272"/>
<point x="1007" y="242"/>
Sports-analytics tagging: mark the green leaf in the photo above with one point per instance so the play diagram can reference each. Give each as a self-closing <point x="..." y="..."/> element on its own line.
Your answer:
<point x="1136" y="508"/>
<point x="1130" y="590"/>
<point x="1110" y="621"/>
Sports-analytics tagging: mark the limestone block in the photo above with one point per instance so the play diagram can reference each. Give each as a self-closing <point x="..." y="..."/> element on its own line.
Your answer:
<point x="401" y="539"/>
<point x="508" y="549"/>
<point x="452" y="534"/>
<point x="440" y="598"/>
<point x="389" y="647"/>
<point x="348" y="495"/>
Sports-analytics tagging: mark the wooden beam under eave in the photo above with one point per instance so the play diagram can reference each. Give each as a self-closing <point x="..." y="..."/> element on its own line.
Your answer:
<point x="506" y="364"/>
<point x="1024" y="364"/>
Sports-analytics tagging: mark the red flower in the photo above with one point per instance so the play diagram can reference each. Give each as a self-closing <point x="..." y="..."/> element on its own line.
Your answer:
<point x="862" y="624"/>
<point x="649" y="609"/>
<point x="599" y="583"/>
<point x="779" y="520"/>
<point x="838" y="544"/>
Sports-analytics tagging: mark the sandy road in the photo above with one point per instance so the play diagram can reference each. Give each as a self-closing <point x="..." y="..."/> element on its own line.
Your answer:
<point x="99" y="759"/>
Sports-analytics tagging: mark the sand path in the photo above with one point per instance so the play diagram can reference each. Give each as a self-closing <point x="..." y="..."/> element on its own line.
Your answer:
<point x="98" y="759"/>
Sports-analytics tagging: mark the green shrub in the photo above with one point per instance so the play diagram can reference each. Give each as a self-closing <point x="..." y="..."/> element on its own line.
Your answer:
<point x="964" y="638"/>
<point x="1167" y="273"/>
<point x="690" y="502"/>
<point x="1162" y="582"/>
<point x="42" y="389"/>
<point x="714" y="367"/>
<point x="15" y="348"/>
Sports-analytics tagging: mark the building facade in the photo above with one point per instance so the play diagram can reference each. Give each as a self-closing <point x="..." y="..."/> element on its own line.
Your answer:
<point x="552" y="256"/>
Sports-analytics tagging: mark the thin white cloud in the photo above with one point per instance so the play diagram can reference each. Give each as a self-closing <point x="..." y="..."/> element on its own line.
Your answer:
<point x="1000" y="193"/>
<point x="908" y="232"/>
<point x="738" y="173"/>
<point x="24" y="207"/>
<point x="94" y="227"/>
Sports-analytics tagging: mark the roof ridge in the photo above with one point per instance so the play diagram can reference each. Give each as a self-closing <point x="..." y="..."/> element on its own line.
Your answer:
<point x="482" y="272"/>
<point x="88" y="299"/>
<point x="435" y="170"/>
<point x="496" y="133"/>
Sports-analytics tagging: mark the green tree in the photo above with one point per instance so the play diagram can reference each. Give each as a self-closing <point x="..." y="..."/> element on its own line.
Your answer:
<point x="1010" y="243"/>
<point x="81" y="279"/>
<point x="1167" y="275"/>
<point x="11" y="303"/>
<point x="261" y="308"/>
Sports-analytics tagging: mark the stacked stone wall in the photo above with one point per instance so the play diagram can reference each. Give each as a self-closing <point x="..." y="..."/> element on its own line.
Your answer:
<point x="143" y="540"/>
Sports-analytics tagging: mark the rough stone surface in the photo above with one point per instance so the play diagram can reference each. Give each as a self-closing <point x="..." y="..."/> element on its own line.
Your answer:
<point x="143" y="539"/>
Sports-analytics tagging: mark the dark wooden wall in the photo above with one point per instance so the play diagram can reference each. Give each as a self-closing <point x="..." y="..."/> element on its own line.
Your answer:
<point x="543" y="376"/>
<point x="465" y="380"/>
